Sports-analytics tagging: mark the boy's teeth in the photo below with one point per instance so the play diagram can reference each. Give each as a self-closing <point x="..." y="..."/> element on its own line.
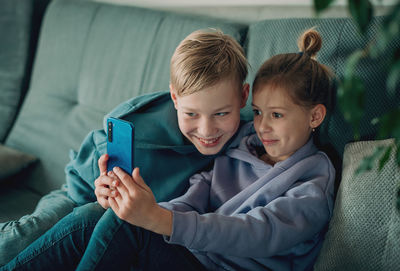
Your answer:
<point x="209" y="141"/>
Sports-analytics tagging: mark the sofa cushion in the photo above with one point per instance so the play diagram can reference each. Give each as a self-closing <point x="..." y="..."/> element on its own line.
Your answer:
<point x="340" y="39"/>
<point x="91" y="57"/>
<point x="13" y="161"/>
<point x="14" y="50"/>
<point x="364" y="232"/>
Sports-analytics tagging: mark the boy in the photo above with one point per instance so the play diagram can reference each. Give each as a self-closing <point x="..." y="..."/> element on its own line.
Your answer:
<point x="203" y="62"/>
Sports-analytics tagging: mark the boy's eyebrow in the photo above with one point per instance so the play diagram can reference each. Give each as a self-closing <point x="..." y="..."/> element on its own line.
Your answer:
<point x="228" y="106"/>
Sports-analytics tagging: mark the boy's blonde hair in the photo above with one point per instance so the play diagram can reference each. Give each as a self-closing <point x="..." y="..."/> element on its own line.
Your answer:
<point x="204" y="58"/>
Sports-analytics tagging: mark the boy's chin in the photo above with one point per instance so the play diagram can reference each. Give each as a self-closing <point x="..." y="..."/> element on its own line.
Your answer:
<point x="209" y="150"/>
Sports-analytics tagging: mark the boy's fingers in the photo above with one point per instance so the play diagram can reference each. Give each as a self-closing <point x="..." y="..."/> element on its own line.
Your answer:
<point x="114" y="205"/>
<point x="114" y="177"/>
<point x="104" y="181"/>
<point x="106" y="192"/>
<point x="124" y="177"/>
<point x="138" y="179"/>
<point x="102" y="162"/>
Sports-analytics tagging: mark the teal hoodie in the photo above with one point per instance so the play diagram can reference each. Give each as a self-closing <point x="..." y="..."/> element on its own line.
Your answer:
<point x="165" y="158"/>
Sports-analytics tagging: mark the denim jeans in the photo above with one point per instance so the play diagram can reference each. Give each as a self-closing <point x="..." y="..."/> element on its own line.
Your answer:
<point x="98" y="240"/>
<point x="118" y="245"/>
<point x="61" y="247"/>
<point x="15" y="236"/>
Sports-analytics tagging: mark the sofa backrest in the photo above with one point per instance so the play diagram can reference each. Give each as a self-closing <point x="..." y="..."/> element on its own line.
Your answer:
<point x="19" y="24"/>
<point x="91" y="57"/>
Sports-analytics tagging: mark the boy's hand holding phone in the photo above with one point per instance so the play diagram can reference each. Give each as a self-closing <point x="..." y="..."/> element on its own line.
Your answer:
<point x="120" y="152"/>
<point x="105" y="183"/>
<point x="136" y="204"/>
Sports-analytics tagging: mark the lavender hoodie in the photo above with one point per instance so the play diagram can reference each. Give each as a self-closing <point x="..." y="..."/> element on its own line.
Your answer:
<point x="248" y="215"/>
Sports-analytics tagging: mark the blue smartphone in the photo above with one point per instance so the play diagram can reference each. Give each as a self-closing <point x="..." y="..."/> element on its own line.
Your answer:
<point x="120" y="144"/>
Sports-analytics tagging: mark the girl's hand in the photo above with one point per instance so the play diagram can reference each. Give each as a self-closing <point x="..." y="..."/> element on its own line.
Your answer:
<point x="105" y="184"/>
<point x="137" y="205"/>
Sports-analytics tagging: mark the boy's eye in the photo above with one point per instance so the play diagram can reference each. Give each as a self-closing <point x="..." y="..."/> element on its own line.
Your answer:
<point x="277" y="115"/>
<point x="256" y="112"/>
<point x="220" y="114"/>
<point x="190" y="114"/>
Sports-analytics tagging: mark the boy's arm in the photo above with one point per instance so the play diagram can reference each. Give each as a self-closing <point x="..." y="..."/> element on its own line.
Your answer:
<point x="83" y="168"/>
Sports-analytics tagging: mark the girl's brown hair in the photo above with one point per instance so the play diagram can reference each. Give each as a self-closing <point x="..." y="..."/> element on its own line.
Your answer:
<point x="307" y="81"/>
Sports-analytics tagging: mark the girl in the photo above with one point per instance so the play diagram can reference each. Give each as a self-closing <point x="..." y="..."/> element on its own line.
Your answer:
<point x="264" y="205"/>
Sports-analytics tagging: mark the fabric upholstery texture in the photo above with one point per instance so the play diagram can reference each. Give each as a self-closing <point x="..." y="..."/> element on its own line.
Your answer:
<point x="364" y="232"/>
<point x="13" y="161"/>
<point x="15" y="33"/>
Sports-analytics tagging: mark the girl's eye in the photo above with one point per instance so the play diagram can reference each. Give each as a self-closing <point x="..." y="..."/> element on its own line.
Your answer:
<point x="221" y="114"/>
<point x="277" y="115"/>
<point x="256" y="112"/>
<point x="190" y="114"/>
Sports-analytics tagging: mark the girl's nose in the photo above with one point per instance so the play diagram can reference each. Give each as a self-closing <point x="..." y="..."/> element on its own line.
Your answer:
<point x="265" y="126"/>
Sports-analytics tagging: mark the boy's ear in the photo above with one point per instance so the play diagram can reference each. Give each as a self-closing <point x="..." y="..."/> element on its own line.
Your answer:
<point x="318" y="114"/>
<point x="173" y="95"/>
<point x="245" y="94"/>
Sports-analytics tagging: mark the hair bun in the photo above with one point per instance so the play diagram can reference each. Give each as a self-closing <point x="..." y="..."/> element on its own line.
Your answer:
<point x="310" y="42"/>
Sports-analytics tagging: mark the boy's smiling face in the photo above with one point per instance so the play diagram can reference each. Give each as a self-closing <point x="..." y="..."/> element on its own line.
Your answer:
<point x="210" y="117"/>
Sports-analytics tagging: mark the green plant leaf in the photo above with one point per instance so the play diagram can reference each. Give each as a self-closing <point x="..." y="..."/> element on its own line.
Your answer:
<point x="394" y="74"/>
<point x="351" y="93"/>
<point x="388" y="31"/>
<point x="367" y="163"/>
<point x="352" y="62"/>
<point x="385" y="157"/>
<point x="362" y="13"/>
<point x="398" y="199"/>
<point x="321" y="5"/>
<point x="390" y="125"/>
<point x="398" y="153"/>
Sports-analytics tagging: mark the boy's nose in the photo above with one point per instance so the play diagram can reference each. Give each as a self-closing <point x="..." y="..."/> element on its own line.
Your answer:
<point x="207" y="128"/>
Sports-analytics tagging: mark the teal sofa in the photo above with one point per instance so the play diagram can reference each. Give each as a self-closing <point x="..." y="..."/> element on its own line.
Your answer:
<point x="92" y="56"/>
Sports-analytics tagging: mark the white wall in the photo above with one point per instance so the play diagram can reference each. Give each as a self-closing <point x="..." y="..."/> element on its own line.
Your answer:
<point x="251" y="10"/>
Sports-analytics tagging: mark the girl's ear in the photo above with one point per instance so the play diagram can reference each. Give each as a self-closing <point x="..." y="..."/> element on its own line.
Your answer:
<point x="173" y="96"/>
<point x="318" y="114"/>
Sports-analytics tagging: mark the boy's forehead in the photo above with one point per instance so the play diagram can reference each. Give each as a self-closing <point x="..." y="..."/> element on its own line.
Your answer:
<point x="229" y="82"/>
<point x="220" y="96"/>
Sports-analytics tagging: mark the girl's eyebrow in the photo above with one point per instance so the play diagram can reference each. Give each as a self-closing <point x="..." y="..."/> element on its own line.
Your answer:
<point x="272" y="107"/>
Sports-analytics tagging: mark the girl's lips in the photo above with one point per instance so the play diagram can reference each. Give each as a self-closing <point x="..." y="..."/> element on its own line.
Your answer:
<point x="269" y="141"/>
<point x="209" y="142"/>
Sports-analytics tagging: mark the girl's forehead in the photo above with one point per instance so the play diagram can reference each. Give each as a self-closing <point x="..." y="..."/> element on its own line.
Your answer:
<point x="272" y="97"/>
